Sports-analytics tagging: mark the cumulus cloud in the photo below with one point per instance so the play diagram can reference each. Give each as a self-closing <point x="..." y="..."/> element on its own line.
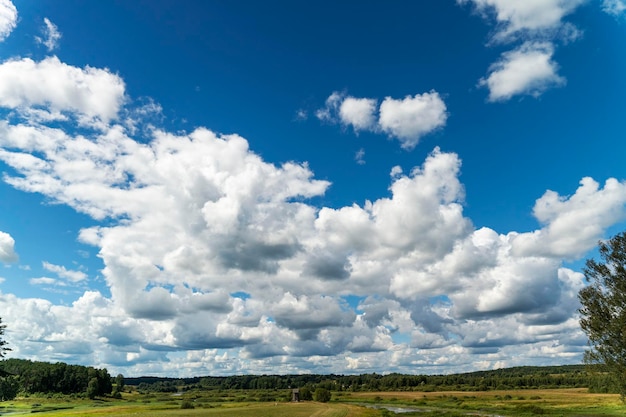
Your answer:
<point x="8" y="18"/>
<point x="360" y="113"/>
<point x="295" y="313"/>
<point x="209" y="249"/>
<point x="50" y="35"/>
<point x="525" y="18"/>
<point x="7" y="248"/>
<point x="407" y="120"/>
<point x="412" y="117"/>
<point x="47" y="89"/>
<point x="574" y="224"/>
<point x="527" y="70"/>
<point x="328" y="113"/>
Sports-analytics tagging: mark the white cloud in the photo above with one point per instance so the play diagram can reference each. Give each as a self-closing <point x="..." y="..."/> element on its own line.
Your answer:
<point x="8" y="18"/>
<point x="51" y="35"/>
<point x="73" y="276"/>
<point x="199" y="207"/>
<point x="7" y="248"/>
<point x="406" y="119"/>
<point x="359" y="156"/>
<point x="210" y="249"/>
<point x="529" y="18"/>
<point x="614" y="7"/>
<point x="328" y="113"/>
<point x="574" y="224"/>
<point x="527" y="70"/>
<point x="57" y="87"/>
<point x="301" y="115"/>
<point x="360" y="113"/>
<point x="43" y="281"/>
<point x="413" y="117"/>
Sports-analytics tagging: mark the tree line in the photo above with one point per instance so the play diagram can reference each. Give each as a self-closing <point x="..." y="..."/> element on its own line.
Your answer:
<point x="525" y="377"/>
<point x="20" y="376"/>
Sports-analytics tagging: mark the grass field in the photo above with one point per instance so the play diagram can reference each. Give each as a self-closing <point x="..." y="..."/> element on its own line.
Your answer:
<point x="553" y="402"/>
<point x="561" y="402"/>
<point x="119" y="409"/>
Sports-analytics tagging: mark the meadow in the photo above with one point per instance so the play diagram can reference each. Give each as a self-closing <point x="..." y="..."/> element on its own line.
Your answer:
<point x="243" y="403"/>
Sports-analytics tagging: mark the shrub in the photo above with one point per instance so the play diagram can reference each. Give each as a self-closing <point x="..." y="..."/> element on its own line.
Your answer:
<point x="186" y="405"/>
<point x="322" y="395"/>
<point x="534" y="409"/>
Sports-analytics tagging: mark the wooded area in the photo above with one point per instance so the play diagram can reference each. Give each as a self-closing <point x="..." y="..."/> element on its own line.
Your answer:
<point x="526" y="377"/>
<point x="28" y="377"/>
<point x="24" y="377"/>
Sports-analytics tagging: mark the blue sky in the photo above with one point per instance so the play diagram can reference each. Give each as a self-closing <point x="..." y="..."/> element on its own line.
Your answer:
<point x="281" y="187"/>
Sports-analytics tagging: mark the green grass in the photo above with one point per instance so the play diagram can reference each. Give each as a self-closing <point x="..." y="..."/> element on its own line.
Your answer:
<point x="557" y="402"/>
<point x="238" y="403"/>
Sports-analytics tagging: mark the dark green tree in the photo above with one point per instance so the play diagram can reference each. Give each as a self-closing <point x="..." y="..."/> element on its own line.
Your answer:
<point x="9" y="387"/>
<point x="322" y="395"/>
<point x="93" y="388"/>
<point x="603" y="311"/>
<point x="3" y="343"/>
<point x="306" y="394"/>
<point x="119" y="386"/>
<point x="119" y="382"/>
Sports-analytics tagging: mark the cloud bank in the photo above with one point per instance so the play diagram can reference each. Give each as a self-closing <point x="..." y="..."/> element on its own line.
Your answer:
<point x="216" y="262"/>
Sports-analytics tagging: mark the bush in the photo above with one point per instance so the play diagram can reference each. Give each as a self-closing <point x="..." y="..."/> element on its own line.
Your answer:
<point x="534" y="409"/>
<point x="186" y="405"/>
<point x="305" y="394"/>
<point x="322" y="395"/>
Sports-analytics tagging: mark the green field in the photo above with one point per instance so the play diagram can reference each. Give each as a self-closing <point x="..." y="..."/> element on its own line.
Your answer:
<point x="556" y="402"/>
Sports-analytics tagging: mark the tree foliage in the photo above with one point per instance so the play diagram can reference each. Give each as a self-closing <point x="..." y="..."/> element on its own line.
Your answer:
<point x="3" y="343"/>
<point x="603" y="311"/>
<point x="43" y="377"/>
<point x="524" y="377"/>
<point x="322" y="395"/>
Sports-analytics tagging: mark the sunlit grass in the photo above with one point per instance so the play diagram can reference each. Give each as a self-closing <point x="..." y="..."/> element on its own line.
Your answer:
<point x="557" y="402"/>
<point x="230" y="403"/>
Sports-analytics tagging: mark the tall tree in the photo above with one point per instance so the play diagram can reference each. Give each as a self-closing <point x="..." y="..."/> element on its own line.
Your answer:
<point x="603" y="311"/>
<point x="3" y="343"/>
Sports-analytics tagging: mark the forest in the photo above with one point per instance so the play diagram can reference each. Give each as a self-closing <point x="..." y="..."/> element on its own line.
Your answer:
<point x="526" y="377"/>
<point x="20" y="376"/>
<point x="25" y="377"/>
